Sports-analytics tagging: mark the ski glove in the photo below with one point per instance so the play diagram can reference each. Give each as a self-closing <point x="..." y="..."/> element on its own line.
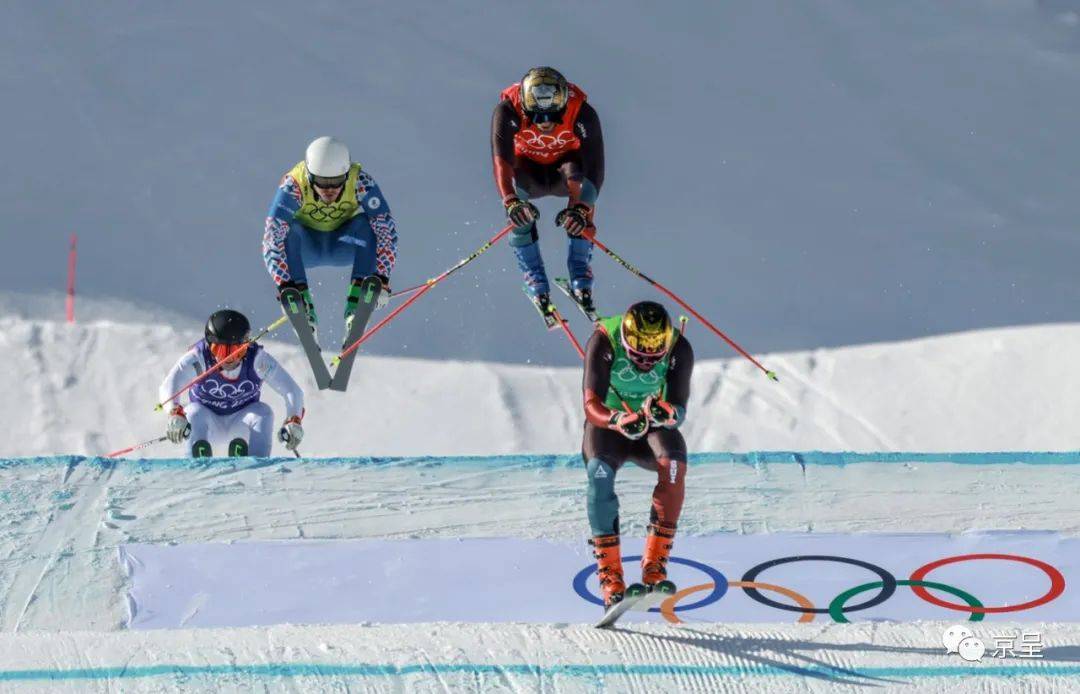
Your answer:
<point x="291" y="433"/>
<point x="632" y="425"/>
<point x="575" y="219"/>
<point x="178" y="428"/>
<point x="662" y="413"/>
<point x="521" y="213"/>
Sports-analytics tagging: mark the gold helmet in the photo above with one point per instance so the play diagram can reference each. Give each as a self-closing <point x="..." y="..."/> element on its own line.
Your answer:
<point x="544" y="94"/>
<point x="646" y="334"/>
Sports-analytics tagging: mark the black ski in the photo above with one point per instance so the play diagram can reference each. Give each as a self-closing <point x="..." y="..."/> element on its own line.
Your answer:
<point x="292" y="302"/>
<point x="635" y="593"/>
<point x="546" y="310"/>
<point x="564" y="284"/>
<point x="369" y="295"/>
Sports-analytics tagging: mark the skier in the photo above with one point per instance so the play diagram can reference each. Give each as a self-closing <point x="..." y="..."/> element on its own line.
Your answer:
<point x="546" y="140"/>
<point x="636" y="386"/>
<point x="225" y="412"/>
<point x="327" y="211"/>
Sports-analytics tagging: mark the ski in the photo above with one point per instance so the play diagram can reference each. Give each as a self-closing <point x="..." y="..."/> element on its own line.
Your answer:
<point x="369" y="294"/>
<point x="548" y="313"/>
<point x="292" y="303"/>
<point x="656" y="594"/>
<point x="635" y="592"/>
<point x="564" y="284"/>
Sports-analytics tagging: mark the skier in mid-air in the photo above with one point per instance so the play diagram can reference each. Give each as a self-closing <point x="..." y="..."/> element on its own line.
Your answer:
<point x="546" y="140"/>
<point x="226" y="413"/>
<point x="636" y="386"/>
<point x="328" y="211"/>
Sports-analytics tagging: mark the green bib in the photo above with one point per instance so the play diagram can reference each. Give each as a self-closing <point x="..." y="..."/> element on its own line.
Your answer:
<point x="633" y="385"/>
<point x="325" y="216"/>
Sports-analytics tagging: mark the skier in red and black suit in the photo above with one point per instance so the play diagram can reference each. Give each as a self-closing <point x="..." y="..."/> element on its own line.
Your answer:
<point x="546" y="140"/>
<point x="636" y="386"/>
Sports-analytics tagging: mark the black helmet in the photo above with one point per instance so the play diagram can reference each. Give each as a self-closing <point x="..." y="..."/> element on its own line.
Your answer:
<point x="544" y="94"/>
<point x="646" y="334"/>
<point x="227" y="327"/>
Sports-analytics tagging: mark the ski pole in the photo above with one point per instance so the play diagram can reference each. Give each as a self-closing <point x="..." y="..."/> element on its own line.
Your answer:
<point x="144" y="444"/>
<point x="570" y="335"/>
<point x="591" y="235"/>
<point x="426" y="287"/>
<point x="217" y="367"/>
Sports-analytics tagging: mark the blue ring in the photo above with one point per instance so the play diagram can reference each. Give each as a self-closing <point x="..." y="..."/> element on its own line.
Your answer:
<point x="720" y="583"/>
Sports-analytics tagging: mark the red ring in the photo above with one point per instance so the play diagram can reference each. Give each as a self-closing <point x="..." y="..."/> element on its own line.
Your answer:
<point x="1057" y="583"/>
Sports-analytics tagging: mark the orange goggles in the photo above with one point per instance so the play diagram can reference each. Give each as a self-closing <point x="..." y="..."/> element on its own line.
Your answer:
<point x="222" y="351"/>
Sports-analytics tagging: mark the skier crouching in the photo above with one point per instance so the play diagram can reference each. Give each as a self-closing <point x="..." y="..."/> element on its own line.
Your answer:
<point x="636" y="386"/>
<point x="226" y="412"/>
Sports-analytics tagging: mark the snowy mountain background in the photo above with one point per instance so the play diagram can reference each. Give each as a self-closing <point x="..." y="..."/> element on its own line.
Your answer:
<point x="807" y="174"/>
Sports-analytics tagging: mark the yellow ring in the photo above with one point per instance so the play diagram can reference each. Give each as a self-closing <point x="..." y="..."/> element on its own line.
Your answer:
<point x="667" y="608"/>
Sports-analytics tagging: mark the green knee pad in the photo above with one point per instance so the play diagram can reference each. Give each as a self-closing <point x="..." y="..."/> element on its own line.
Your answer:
<point x="602" y="500"/>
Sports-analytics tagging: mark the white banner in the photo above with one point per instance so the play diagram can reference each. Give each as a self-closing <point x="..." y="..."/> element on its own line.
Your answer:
<point x="722" y="578"/>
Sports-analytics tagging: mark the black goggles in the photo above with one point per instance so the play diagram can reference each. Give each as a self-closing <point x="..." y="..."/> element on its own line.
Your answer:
<point x="326" y="182"/>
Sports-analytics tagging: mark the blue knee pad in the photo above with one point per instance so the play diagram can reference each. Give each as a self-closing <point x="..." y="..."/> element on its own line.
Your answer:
<point x="602" y="501"/>
<point x="578" y="259"/>
<point x="529" y="260"/>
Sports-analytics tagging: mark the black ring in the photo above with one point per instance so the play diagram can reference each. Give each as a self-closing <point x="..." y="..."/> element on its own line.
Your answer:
<point x="888" y="583"/>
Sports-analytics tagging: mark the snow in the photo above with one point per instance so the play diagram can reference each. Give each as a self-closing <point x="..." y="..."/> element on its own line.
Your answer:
<point x="64" y="518"/>
<point x="90" y="388"/>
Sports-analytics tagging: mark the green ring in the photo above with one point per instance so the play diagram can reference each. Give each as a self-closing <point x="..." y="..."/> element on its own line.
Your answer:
<point x="836" y="607"/>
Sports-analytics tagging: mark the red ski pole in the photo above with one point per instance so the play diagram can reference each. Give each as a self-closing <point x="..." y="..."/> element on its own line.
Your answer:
<point x="422" y="290"/>
<point x="591" y="235"/>
<point x="144" y="444"/>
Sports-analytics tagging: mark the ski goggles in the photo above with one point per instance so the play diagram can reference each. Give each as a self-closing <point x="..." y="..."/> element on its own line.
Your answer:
<point x="329" y="182"/>
<point x="647" y="351"/>
<point x="643" y="360"/>
<point x="221" y="351"/>
<point x="541" y="117"/>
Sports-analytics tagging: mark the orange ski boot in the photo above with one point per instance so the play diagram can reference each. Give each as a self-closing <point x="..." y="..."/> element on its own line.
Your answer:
<point x="654" y="560"/>
<point x="609" y="568"/>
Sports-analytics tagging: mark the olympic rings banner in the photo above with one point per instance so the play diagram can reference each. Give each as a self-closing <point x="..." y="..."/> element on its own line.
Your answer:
<point x="806" y="578"/>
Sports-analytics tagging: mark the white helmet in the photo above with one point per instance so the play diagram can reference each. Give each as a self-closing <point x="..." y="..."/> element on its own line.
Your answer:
<point x="327" y="157"/>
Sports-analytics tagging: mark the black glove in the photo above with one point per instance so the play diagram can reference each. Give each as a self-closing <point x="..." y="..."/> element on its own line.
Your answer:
<point x="520" y="212"/>
<point x="632" y="425"/>
<point x="661" y="413"/>
<point x="575" y="219"/>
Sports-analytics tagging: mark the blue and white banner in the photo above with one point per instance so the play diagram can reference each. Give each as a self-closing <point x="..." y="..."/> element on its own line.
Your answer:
<point x="722" y="578"/>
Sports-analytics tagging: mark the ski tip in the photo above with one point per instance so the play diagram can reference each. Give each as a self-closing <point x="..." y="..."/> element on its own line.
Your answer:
<point x="772" y="376"/>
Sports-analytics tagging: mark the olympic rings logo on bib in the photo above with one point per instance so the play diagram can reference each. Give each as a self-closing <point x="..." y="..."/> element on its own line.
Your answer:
<point x="718" y="585"/>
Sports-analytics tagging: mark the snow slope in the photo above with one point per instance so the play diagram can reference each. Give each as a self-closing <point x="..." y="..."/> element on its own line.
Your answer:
<point x="90" y="388"/>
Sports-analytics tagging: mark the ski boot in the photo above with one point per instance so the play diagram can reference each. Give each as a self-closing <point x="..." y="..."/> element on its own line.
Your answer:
<point x="609" y="568"/>
<point x="351" y="302"/>
<point x="238" y="448"/>
<point x="654" y="560"/>
<point x="309" y="309"/>
<point x="584" y="299"/>
<point x="547" y="310"/>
